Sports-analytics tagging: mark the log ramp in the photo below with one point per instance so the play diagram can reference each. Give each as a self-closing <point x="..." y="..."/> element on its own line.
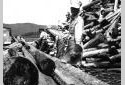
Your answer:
<point x="64" y="74"/>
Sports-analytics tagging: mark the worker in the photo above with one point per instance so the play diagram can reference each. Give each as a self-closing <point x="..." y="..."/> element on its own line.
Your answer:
<point x="77" y="23"/>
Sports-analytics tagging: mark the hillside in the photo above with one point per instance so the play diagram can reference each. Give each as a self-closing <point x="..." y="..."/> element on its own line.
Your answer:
<point x="24" y="28"/>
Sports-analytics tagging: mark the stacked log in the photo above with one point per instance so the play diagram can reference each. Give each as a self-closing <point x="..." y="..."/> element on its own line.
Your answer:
<point x="66" y="72"/>
<point x="110" y="27"/>
<point x="63" y="73"/>
<point x="27" y="65"/>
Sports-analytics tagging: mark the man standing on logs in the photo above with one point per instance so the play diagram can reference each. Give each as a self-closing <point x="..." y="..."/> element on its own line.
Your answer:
<point x="77" y="23"/>
<point x="73" y="51"/>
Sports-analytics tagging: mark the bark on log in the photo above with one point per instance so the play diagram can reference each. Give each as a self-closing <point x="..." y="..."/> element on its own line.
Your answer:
<point x="96" y="65"/>
<point x="73" y="74"/>
<point x="55" y="32"/>
<point x="89" y="25"/>
<point x="13" y="45"/>
<point x="70" y="74"/>
<point x="107" y="65"/>
<point x="114" y="15"/>
<point x="103" y="45"/>
<point x="116" y="58"/>
<point x="113" y="30"/>
<point x="115" y="40"/>
<point x="89" y="49"/>
<point x="95" y="41"/>
<point x="19" y="70"/>
<point x="111" y="16"/>
<point x="91" y="4"/>
<point x="96" y="52"/>
<point x="43" y="79"/>
<point x="102" y="30"/>
<point x="116" y="5"/>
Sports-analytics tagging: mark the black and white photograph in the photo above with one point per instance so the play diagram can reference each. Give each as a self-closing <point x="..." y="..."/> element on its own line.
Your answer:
<point x="61" y="42"/>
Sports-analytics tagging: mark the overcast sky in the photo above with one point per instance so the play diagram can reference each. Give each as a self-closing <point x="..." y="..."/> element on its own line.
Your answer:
<point x="34" y="11"/>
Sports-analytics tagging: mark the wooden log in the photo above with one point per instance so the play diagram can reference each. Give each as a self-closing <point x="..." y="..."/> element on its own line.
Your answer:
<point x="95" y="41"/>
<point x="116" y="13"/>
<point x="56" y="32"/>
<point x="13" y="45"/>
<point x="113" y="30"/>
<point x="43" y="79"/>
<point x="96" y="64"/>
<point x="119" y="50"/>
<point x="111" y="16"/>
<point x="88" y="25"/>
<point x="103" y="24"/>
<point x="96" y="52"/>
<point x="116" y="5"/>
<point x="19" y="70"/>
<point x="116" y="58"/>
<point x="91" y="4"/>
<point x="90" y="49"/>
<point x="95" y="27"/>
<point x="99" y="31"/>
<point x="115" y="40"/>
<point x="119" y="28"/>
<point x="114" y="69"/>
<point x="102" y="30"/>
<point x="103" y="45"/>
<point x="27" y="59"/>
<point x="72" y="72"/>
<point x="71" y="75"/>
<point x="108" y="65"/>
<point x="64" y="79"/>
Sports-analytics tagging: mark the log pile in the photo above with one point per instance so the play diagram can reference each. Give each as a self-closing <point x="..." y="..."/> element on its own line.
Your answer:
<point x="101" y="49"/>
<point x="102" y="34"/>
<point x="61" y="74"/>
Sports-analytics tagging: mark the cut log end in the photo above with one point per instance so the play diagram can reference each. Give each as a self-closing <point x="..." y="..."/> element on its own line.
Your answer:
<point x="22" y="72"/>
<point x="47" y="66"/>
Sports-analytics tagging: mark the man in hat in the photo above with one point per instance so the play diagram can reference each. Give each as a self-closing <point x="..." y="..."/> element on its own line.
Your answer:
<point x="76" y="27"/>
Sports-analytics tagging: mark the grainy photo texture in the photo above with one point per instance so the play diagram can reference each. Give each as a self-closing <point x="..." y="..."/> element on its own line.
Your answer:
<point x="62" y="42"/>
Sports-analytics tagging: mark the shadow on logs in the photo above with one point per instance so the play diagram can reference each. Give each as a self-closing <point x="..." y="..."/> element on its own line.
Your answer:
<point x="22" y="72"/>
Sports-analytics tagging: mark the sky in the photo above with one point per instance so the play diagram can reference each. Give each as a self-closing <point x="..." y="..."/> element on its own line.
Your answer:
<point x="43" y="12"/>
